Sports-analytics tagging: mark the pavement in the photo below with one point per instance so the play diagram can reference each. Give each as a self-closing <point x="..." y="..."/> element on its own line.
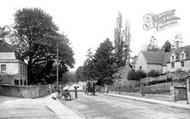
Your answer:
<point x="40" y="108"/>
<point x="155" y="101"/>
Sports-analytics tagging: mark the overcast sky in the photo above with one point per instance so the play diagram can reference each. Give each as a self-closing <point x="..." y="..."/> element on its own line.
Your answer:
<point x="87" y="23"/>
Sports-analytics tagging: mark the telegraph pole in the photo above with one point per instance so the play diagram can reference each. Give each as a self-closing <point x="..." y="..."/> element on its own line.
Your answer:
<point x="57" y="63"/>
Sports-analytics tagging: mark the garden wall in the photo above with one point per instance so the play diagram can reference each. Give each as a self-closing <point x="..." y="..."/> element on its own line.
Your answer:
<point x="24" y="91"/>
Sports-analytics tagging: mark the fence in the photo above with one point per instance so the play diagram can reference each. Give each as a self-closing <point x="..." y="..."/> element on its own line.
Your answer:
<point x="25" y="91"/>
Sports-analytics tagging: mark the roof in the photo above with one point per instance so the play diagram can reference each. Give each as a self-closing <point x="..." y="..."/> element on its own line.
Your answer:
<point x="186" y="49"/>
<point x="5" y="47"/>
<point x="153" y="57"/>
<point x="6" y="79"/>
<point x="159" y="57"/>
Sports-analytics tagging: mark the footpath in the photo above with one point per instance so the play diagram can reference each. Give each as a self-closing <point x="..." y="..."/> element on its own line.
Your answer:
<point x="40" y="108"/>
<point x="152" y="98"/>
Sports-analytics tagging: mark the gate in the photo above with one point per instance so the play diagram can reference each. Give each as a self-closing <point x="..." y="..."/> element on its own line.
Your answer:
<point x="179" y="89"/>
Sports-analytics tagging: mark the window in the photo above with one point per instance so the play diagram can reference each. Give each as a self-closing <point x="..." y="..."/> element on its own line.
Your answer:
<point x="3" y="68"/>
<point x="16" y="82"/>
<point x="172" y="65"/>
<point x="182" y="64"/>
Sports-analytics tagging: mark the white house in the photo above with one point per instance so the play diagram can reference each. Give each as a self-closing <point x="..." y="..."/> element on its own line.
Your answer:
<point x="13" y="70"/>
<point x="177" y="59"/>
<point x="148" y="61"/>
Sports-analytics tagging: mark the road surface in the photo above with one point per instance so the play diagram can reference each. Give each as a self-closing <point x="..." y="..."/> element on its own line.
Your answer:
<point x="107" y="107"/>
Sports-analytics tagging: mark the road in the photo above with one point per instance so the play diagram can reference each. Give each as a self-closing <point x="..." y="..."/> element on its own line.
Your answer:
<point x="107" y="107"/>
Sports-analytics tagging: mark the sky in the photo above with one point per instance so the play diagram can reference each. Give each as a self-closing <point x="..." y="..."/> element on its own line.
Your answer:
<point x="87" y="23"/>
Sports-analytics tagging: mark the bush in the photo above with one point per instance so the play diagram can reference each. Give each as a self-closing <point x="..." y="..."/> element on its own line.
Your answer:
<point x="140" y="74"/>
<point x="153" y="73"/>
<point x="136" y="75"/>
<point x="131" y="75"/>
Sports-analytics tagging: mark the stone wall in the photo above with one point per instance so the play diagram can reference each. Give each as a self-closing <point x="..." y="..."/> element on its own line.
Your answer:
<point x="24" y="91"/>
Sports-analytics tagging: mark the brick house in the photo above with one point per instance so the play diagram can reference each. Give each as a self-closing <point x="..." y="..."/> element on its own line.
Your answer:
<point x="164" y="62"/>
<point x="13" y="70"/>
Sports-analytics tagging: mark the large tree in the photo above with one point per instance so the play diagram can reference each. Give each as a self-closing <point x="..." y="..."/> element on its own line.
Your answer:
<point x="104" y="59"/>
<point x="37" y="40"/>
<point x="122" y="39"/>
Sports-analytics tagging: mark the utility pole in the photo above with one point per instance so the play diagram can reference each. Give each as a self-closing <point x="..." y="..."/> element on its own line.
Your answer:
<point x="57" y="63"/>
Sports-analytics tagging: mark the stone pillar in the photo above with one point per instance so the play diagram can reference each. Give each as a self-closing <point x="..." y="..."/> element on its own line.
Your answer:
<point x="172" y="91"/>
<point x="188" y="90"/>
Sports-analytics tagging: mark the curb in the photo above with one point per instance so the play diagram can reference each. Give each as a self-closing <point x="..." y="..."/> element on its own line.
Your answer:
<point x="60" y="110"/>
<point x="170" y="104"/>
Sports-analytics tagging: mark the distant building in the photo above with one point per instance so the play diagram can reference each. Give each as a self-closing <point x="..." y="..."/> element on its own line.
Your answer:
<point x="177" y="59"/>
<point x="13" y="70"/>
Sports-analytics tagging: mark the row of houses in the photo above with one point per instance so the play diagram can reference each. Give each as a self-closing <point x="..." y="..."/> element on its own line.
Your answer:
<point x="13" y="70"/>
<point x="177" y="59"/>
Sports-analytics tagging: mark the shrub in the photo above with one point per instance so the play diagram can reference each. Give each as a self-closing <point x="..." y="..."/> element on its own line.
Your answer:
<point x="153" y="73"/>
<point x="131" y="75"/>
<point x="140" y="74"/>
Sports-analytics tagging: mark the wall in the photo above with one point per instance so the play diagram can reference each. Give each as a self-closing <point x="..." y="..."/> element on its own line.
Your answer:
<point x="141" y="61"/>
<point x="154" y="67"/>
<point x="11" y="68"/>
<point x="178" y="66"/>
<point x="7" y="55"/>
<point x="24" y="91"/>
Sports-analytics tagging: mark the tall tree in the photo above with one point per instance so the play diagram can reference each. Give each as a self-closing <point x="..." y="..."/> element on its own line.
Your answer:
<point x="122" y="39"/>
<point x="167" y="47"/>
<point x="152" y="46"/>
<point x="104" y="62"/>
<point x="89" y="67"/>
<point x="37" y="38"/>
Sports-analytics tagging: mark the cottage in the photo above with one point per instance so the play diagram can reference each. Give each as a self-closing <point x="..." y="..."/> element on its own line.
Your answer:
<point x="148" y="61"/>
<point x="13" y="70"/>
<point x="177" y="59"/>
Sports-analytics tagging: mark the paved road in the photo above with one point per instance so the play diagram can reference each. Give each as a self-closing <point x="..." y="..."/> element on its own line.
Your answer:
<point x="20" y="108"/>
<point x="106" y="107"/>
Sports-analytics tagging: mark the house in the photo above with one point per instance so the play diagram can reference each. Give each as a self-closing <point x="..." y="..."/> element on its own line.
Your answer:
<point x="148" y="61"/>
<point x="13" y="70"/>
<point x="177" y="59"/>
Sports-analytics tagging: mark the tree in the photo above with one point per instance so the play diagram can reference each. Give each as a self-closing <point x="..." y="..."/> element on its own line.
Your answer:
<point x="37" y="38"/>
<point x="167" y="47"/>
<point x="104" y="62"/>
<point x="79" y="74"/>
<point x="89" y="71"/>
<point x="152" y="46"/>
<point x="122" y="39"/>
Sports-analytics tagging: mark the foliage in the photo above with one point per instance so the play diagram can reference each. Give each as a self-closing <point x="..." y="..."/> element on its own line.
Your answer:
<point x="140" y="74"/>
<point x="136" y="75"/>
<point x="79" y="74"/>
<point x="167" y="47"/>
<point x="104" y="62"/>
<point x="122" y="48"/>
<point x="36" y="40"/>
<point x="99" y="66"/>
<point x="132" y="75"/>
<point x="152" y="46"/>
<point x="89" y="67"/>
<point x="153" y="73"/>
